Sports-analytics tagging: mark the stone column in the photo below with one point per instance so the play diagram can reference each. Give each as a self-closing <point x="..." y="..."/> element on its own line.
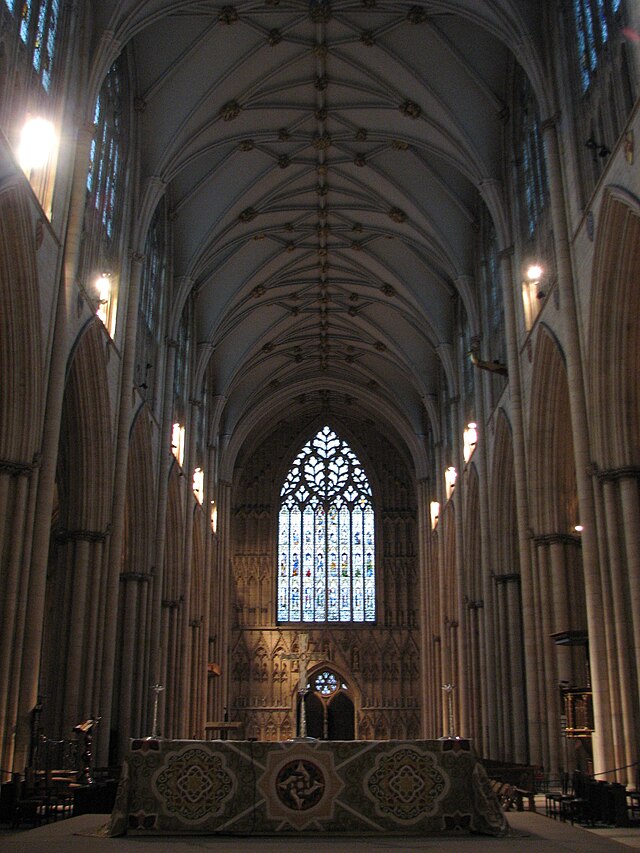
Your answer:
<point x="550" y="696"/>
<point x="14" y="500"/>
<point x="602" y="741"/>
<point x="119" y="500"/>
<point x="627" y="673"/>
<point x="486" y="711"/>
<point x="30" y="651"/>
<point x="424" y="531"/>
<point x="560" y="592"/>
<point x="84" y="558"/>
<point x="608" y="629"/>
<point x="225" y="599"/>
<point x="158" y="662"/>
<point x="188" y="688"/>
<point x="506" y="670"/>
<point x="519" y="736"/>
<point x="531" y="652"/>
<point x="130" y="603"/>
<point x="630" y="501"/>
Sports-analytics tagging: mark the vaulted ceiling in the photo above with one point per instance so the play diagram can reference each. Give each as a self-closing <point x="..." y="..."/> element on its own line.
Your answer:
<point x="324" y="163"/>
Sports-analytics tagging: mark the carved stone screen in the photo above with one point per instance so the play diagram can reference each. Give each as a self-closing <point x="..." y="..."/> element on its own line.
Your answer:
<point x="380" y="660"/>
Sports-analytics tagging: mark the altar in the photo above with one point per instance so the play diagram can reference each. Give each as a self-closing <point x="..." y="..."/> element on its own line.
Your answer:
<point x="427" y="787"/>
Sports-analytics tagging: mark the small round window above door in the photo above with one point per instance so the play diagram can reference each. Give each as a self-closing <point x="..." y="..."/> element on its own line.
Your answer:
<point x="329" y="707"/>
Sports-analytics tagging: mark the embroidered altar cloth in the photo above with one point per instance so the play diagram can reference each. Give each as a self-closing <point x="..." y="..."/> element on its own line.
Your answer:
<point x="426" y="787"/>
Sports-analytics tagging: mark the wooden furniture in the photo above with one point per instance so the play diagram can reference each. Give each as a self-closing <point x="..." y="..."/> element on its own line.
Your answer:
<point x="224" y="729"/>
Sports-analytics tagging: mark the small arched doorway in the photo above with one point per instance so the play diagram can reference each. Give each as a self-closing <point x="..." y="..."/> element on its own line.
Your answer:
<point x="329" y="707"/>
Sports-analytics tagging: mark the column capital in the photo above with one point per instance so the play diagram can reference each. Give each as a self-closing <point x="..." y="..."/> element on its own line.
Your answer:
<point x="550" y="123"/>
<point x="511" y="577"/>
<point x="556" y="538"/>
<point x="626" y="472"/>
<point x="81" y="536"/>
<point x="17" y="469"/>
<point x="141" y="577"/>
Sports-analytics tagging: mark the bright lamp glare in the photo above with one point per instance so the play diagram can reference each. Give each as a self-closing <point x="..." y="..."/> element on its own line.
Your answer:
<point x="103" y="286"/>
<point x="37" y="141"/>
<point x="534" y="273"/>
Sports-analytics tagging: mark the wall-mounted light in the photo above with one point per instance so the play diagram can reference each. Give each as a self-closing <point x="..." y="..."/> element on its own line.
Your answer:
<point x="103" y="287"/>
<point x="434" y="511"/>
<point x="578" y="528"/>
<point x="214" y="517"/>
<point x="534" y="277"/>
<point x="198" y="485"/>
<point x="37" y="143"/>
<point x="470" y="438"/>
<point x="177" y="442"/>
<point x="103" y="292"/>
<point x="450" y="476"/>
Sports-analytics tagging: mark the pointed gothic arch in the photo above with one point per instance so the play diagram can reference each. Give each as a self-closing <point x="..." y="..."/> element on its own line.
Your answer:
<point x="553" y="479"/>
<point x="614" y="336"/>
<point x="20" y="354"/>
<point x="21" y="417"/>
<point x="77" y="572"/>
<point x="560" y="618"/>
<point x="326" y="536"/>
<point x="330" y="704"/>
<point x="503" y="499"/>
<point x="614" y="366"/>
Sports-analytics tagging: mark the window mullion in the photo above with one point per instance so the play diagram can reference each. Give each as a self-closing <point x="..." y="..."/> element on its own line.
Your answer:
<point x="326" y="560"/>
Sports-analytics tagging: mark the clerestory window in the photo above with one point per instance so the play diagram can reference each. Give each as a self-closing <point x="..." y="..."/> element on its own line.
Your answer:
<point x="37" y="22"/>
<point x="595" y="25"/>
<point x="106" y="154"/>
<point x="326" y="536"/>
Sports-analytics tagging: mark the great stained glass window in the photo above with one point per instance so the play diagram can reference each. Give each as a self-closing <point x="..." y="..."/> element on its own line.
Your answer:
<point x="326" y="537"/>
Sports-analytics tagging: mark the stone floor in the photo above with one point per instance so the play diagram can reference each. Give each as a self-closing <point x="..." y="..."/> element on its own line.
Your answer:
<point x="529" y="832"/>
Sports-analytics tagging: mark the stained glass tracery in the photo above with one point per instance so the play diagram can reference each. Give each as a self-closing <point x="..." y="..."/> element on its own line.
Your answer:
<point x="326" y="536"/>
<point x="595" y="19"/>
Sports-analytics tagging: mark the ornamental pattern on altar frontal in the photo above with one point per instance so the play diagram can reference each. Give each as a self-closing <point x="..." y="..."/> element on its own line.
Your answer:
<point x="194" y="785"/>
<point x="300" y="785"/>
<point x="406" y="784"/>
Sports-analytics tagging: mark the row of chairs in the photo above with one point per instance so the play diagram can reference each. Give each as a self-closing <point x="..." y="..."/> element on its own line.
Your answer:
<point x="589" y="801"/>
<point x="512" y="798"/>
<point x="39" y="798"/>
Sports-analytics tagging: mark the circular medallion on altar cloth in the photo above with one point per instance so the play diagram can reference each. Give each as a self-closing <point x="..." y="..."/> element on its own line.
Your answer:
<point x="193" y="784"/>
<point x="300" y="785"/>
<point x="406" y="784"/>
